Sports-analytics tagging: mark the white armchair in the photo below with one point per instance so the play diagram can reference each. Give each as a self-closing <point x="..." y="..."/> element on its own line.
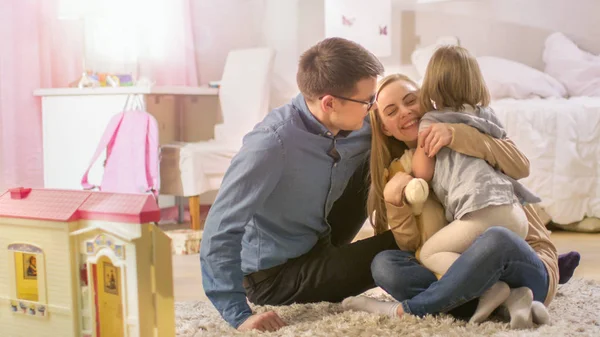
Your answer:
<point x="191" y="169"/>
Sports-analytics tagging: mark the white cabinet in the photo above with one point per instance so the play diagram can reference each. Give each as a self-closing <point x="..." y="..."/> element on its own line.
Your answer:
<point x="73" y="121"/>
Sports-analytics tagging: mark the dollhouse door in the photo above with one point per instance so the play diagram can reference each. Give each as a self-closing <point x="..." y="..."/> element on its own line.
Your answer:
<point x="108" y="299"/>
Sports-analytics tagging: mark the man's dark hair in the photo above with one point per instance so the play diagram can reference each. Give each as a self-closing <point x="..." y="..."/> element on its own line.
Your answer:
<point x="334" y="66"/>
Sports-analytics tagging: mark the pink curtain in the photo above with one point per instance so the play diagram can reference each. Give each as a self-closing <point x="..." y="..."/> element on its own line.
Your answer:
<point x="31" y="58"/>
<point x="175" y="63"/>
<point x="41" y="51"/>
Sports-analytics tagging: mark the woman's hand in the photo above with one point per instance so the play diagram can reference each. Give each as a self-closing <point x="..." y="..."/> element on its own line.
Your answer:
<point x="435" y="137"/>
<point x="394" y="189"/>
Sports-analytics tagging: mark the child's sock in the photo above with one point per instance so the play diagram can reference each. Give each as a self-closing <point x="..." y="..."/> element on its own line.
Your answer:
<point x="518" y="304"/>
<point x="363" y="303"/>
<point x="566" y="266"/>
<point x="539" y="313"/>
<point x="489" y="301"/>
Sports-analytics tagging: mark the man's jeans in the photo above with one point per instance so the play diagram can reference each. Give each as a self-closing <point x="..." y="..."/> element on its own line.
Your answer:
<point x="497" y="255"/>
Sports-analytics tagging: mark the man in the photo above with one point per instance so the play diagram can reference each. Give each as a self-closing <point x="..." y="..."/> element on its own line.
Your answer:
<point x="293" y="198"/>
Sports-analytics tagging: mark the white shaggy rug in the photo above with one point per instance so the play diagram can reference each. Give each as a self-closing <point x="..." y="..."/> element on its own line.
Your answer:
<point x="574" y="312"/>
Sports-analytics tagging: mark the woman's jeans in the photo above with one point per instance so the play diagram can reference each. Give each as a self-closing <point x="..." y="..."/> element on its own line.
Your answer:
<point x="497" y="255"/>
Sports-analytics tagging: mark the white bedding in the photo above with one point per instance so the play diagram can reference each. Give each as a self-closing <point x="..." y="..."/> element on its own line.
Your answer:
<point x="561" y="138"/>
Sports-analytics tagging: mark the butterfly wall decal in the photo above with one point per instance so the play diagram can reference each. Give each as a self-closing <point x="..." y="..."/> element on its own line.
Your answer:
<point x="347" y="21"/>
<point x="383" y="30"/>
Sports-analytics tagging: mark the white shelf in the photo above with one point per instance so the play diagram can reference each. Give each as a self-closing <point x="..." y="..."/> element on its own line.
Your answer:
<point x="158" y="90"/>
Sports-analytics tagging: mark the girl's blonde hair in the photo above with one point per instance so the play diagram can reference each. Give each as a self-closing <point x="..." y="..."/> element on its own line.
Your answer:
<point x="383" y="150"/>
<point x="453" y="79"/>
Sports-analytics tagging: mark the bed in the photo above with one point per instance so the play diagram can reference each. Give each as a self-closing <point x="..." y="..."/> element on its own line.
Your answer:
<point x="545" y="89"/>
<point x="561" y="138"/>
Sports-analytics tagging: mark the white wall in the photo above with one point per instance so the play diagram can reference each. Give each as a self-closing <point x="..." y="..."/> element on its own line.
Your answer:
<point x="289" y="26"/>
<point x="576" y="18"/>
<point x="515" y="29"/>
<point x="281" y="30"/>
<point x="293" y="26"/>
<point x="219" y="26"/>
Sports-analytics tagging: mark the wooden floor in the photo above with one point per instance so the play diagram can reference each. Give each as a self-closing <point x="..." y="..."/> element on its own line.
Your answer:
<point x="588" y="245"/>
<point x="188" y="279"/>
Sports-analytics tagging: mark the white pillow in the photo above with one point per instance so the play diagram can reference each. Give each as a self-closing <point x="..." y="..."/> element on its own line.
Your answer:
<point x="420" y="57"/>
<point x="510" y="79"/>
<point x="578" y="70"/>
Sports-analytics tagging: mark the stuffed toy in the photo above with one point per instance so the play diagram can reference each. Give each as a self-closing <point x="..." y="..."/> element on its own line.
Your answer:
<point x="428" y="212"/>
<point x="417" y="190"/>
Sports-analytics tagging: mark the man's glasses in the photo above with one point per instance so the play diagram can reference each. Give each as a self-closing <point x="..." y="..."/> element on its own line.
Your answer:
<point x="368" y="104"/>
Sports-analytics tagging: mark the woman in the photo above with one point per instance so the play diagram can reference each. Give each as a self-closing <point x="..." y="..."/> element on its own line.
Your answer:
<point x="530" y="268"/>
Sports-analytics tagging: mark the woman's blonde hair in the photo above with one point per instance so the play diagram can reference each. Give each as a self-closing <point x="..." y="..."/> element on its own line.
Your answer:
<point x="453" y="79"/>
<point x="383" y="150"/>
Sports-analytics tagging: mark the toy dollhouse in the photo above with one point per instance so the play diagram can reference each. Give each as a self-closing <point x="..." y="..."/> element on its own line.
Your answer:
<point x="79" y="263"/>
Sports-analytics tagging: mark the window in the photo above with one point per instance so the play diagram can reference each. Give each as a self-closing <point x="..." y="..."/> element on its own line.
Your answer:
<point x="122" y="35"/>
<point x="28" y="290"/>
<point x="26" y="276"/>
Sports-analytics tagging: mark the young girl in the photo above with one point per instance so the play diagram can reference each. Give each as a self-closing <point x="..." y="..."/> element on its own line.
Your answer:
<point x="474" y="194"/>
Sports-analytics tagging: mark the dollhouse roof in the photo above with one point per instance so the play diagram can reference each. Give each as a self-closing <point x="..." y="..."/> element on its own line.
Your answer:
<point x="73" y="205"/>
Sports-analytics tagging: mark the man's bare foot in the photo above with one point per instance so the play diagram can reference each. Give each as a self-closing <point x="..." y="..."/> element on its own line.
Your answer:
<point x="400" y="311"/>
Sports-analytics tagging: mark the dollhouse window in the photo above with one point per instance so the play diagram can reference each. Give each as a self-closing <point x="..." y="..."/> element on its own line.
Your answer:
<point x="27" y="269"/>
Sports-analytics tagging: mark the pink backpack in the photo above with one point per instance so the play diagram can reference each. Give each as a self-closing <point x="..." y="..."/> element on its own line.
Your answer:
<point x="131" y="166"/>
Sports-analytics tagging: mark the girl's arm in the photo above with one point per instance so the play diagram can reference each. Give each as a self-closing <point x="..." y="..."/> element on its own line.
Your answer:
<point x="501" y="154"/>
<point x="423" y="164"/>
